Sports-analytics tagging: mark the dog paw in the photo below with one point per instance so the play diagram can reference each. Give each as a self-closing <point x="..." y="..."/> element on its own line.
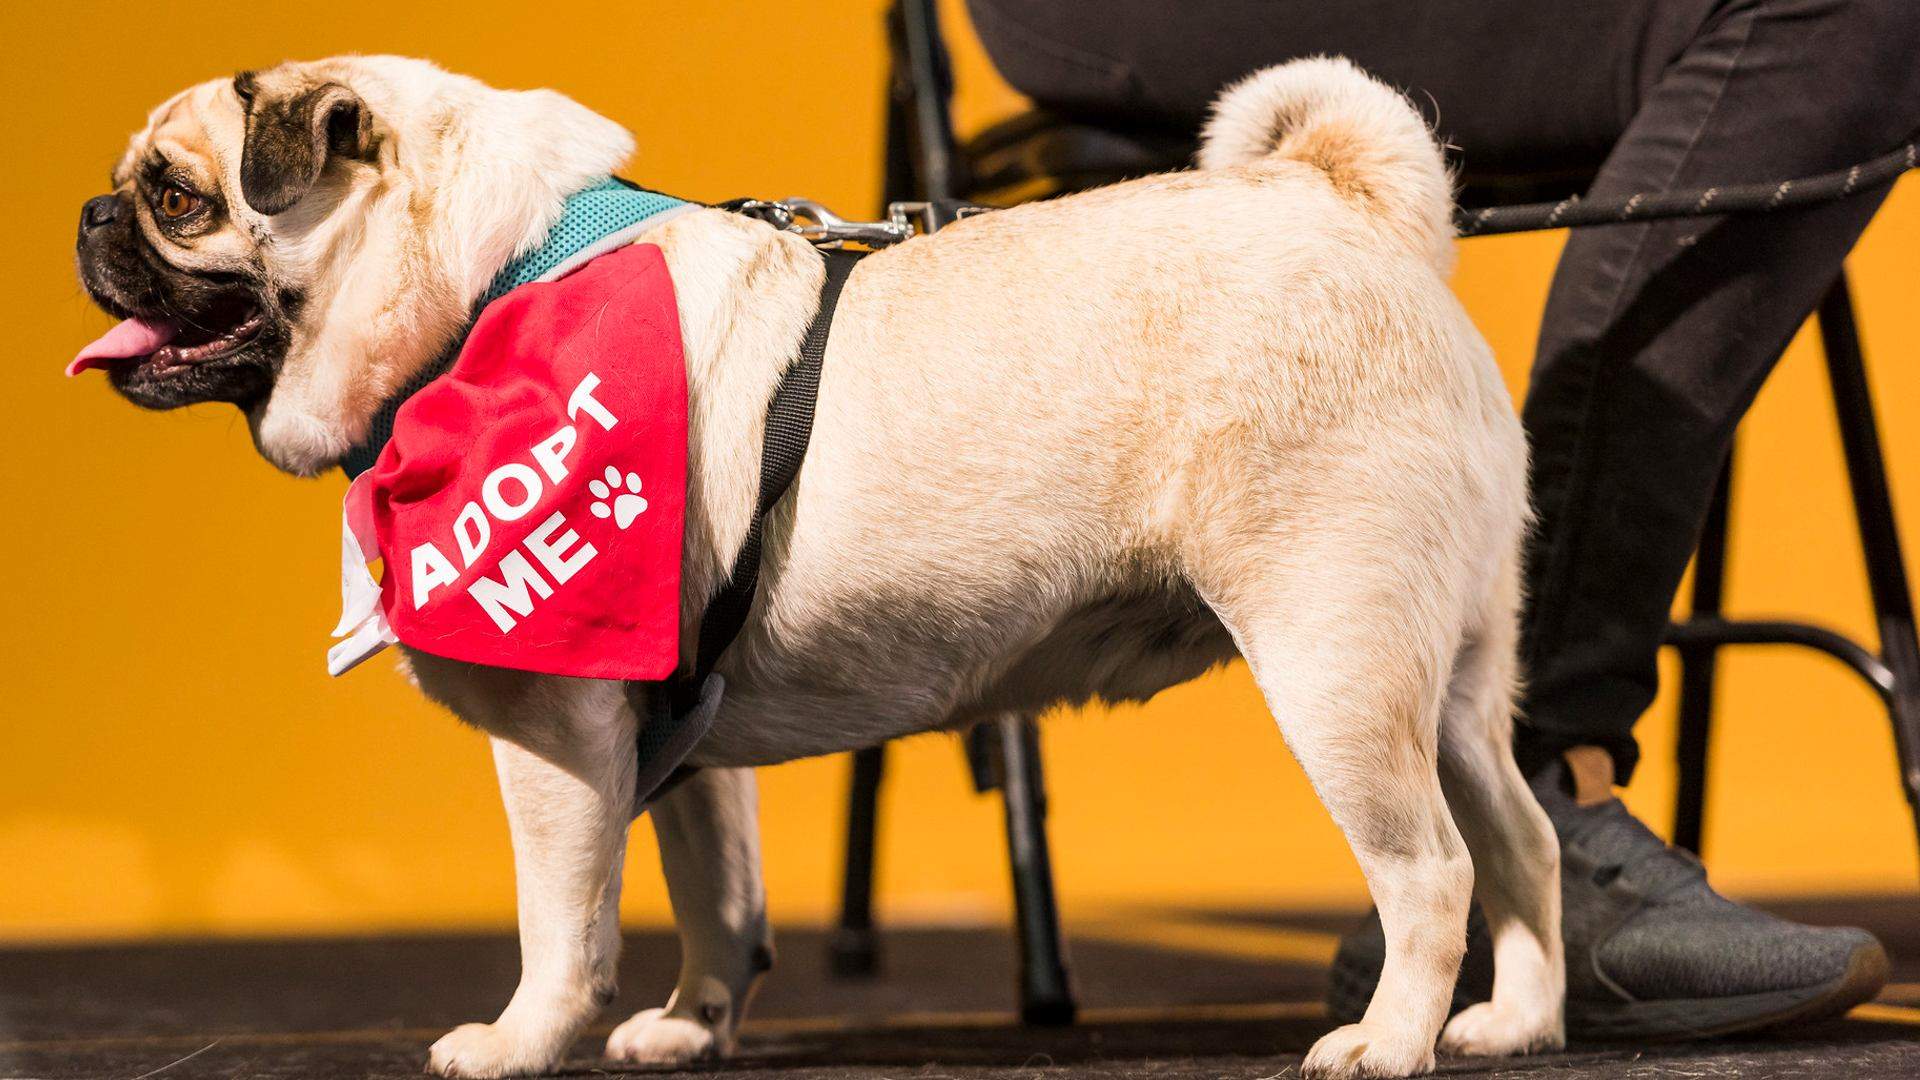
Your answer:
<point x="1490" y="1030"/>
<point x="488" y="1050"/>
<point x="1368" y="1050"/>
<point x="651" y="1037"/>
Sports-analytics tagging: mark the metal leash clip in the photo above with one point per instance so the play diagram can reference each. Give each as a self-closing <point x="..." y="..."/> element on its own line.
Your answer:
<point x="812" y="220"/>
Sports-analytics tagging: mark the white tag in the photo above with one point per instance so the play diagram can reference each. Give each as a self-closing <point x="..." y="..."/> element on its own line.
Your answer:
<point x="363" y="626"/>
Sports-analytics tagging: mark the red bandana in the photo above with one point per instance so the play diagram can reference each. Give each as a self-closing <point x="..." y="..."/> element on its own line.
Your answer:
<point x="529" y="508"/>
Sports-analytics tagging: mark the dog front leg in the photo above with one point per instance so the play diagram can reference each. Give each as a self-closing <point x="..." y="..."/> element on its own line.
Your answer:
<point x="569" y="800"/>
<point x="709" y="834"/>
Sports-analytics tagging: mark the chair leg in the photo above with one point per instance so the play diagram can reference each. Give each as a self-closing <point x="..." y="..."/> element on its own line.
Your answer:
<point x="922" y="150"/>
<point x="1046" y="998"/>
<point x="854" y="950"/>
<point x="898" y="164"/>
<point x="1879" y="531"/>
<point x="1697" y="670"/>
<point x="923" y="88"/>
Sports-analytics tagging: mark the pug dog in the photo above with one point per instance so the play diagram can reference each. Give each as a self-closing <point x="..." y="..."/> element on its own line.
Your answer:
<point x="1085" y="448"/>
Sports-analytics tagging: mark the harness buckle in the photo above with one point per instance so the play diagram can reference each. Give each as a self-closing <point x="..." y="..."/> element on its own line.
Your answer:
<point x="812" y="220"/>
<point x="777" y="214"/>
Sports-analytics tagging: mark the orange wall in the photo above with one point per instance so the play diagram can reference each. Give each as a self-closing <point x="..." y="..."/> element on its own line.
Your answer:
<point x="173" y="758"/>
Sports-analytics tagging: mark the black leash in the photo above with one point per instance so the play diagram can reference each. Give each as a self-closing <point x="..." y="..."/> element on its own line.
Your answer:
<point x="1760" y="198"/>
<point x="677" y="713"/>
<point x="1764" y="197"/>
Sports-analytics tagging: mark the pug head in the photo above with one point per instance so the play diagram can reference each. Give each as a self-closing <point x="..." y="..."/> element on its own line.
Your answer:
<point x="300" y="240"/>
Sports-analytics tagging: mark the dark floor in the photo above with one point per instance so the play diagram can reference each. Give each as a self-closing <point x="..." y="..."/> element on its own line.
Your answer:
<point x="1217" y="1000"/>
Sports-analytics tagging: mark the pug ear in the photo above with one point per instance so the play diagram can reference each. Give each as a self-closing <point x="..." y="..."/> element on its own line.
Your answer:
<point x="292" y="134"/>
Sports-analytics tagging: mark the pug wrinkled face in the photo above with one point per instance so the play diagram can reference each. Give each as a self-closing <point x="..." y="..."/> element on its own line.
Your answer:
<point x="299" y="240"/>
<point x="180" y="248"/>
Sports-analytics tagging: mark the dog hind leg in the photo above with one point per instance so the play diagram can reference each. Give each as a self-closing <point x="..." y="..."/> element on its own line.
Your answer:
<point x="1516" y="857"/>
<point x="710" y="850"/>
<point x="1352" y="664"/>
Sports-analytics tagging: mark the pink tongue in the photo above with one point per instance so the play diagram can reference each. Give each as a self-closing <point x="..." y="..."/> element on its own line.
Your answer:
<point x="134" y="337"/>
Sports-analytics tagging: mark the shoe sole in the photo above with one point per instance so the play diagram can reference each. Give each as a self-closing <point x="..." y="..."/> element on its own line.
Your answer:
<point x="1680" y="1019"/>
<point x="1708" y="1018"/>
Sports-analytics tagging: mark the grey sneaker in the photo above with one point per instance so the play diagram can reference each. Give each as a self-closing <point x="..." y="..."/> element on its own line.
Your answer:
<point x="1652" y="951"/>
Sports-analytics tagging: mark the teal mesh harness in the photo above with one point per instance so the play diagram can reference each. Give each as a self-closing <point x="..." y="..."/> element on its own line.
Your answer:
<point x="594" y="222"/>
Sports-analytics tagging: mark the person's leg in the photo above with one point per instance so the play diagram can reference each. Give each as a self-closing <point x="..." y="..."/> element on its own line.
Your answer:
<point x="1657" y="336"/>
<point x="1655" y="340"/>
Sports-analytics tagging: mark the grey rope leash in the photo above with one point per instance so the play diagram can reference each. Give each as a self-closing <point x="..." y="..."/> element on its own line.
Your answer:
<point x="1761" y="198"/>
<point x="907" y="219"/>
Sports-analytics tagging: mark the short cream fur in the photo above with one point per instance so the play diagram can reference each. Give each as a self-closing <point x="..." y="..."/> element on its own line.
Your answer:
<point x="1087" y="447"/>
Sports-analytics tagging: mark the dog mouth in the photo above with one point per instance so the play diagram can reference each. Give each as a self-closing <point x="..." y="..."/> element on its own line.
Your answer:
<point x="166" y="345"/>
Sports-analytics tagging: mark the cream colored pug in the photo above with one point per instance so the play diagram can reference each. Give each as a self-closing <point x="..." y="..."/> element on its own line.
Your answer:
<point x="1090" y="447"/>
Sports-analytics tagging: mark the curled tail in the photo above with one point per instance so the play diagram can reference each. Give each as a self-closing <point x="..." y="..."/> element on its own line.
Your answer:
<point x="1372" y="144"/>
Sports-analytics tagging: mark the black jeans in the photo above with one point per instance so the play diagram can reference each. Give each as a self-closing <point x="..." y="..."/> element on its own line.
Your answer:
<point x="1656" y="336"/>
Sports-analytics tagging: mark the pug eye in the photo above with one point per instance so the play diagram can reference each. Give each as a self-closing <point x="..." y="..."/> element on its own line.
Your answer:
<point x="177" y="202"/>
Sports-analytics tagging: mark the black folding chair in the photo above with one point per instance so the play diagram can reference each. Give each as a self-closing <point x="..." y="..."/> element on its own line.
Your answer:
<point x="1036" y="154"/>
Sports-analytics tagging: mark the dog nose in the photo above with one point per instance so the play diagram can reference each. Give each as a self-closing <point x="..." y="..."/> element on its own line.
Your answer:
<point x="99" y="210"/>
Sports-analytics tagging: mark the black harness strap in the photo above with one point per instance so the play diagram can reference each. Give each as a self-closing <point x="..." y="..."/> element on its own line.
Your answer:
<point x="678" y="712"/>
<point x="789" y="428"/>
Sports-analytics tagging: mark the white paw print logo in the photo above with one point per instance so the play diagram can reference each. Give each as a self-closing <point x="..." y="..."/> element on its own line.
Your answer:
<point x="627" y="504"/>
